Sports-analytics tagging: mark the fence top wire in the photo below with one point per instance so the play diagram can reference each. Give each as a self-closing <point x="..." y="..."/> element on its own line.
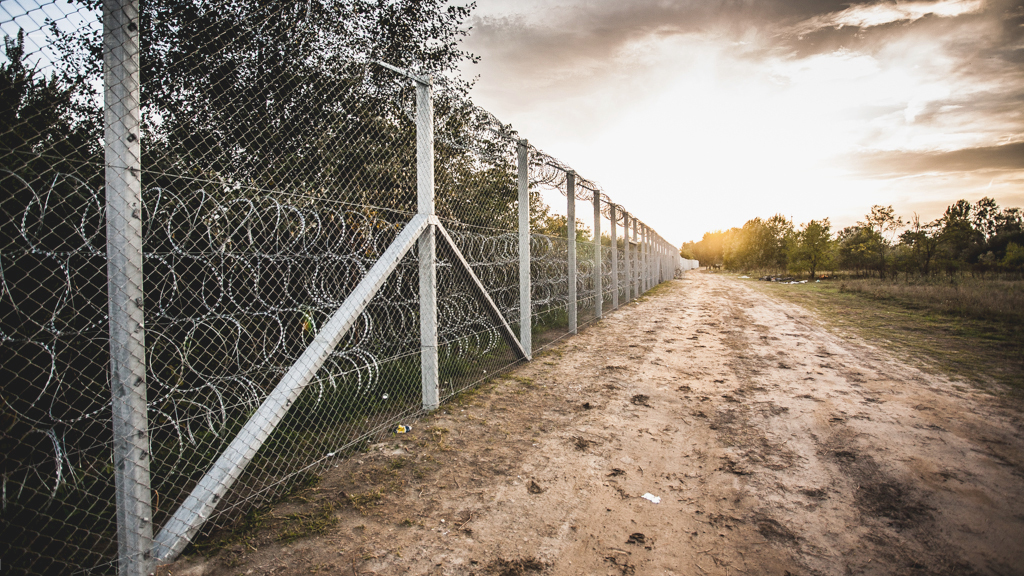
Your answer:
<point x="495" y="141"/>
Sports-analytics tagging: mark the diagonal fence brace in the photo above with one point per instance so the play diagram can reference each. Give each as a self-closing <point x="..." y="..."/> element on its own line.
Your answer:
<point x="197" y="508"/>
<point x="489" y="305"/>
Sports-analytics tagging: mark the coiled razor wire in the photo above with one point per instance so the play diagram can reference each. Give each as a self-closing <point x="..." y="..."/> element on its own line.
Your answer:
<point x="255" y="230"/>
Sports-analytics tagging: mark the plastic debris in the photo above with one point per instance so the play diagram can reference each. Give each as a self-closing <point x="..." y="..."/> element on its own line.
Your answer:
<point x="403" y="429"/>
<point x="652" y="498"/>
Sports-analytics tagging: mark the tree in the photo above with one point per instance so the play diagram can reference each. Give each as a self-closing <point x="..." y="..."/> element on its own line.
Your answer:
<point x="856" y="245"/>
<point x="710" y="250"/>
<point x="811" y="247"/>
<point x="283" y="95"/>
<point x="1009" y="221"/>
<point x="1014" y="259"/>
<point x="957" y="235"/>
<point x="760" y="244"/>
<point x="44" y="130"/>
<point x="984" y="217"/>
<point x="923" y="241"/>
<point x="884" y="224"/>
<point x="557" y="226"/>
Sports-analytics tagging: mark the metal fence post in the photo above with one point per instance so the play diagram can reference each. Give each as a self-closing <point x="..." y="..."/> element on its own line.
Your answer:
<point x="615" y="257"/>
<point x="122" y="174"/>
<point x="570" y="232"/>
<point x="598" y="264"/>
<point x="427" y="246"/>
<point x="525" y="302"/>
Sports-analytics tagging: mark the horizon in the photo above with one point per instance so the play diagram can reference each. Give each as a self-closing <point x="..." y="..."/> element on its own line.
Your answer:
<point x="701" y="116"/>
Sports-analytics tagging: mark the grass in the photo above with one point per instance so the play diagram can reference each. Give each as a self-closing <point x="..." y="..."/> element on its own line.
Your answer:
<point x="972" y="330"/>
<point x="316" y="523"/>
<point x="994" y="299"/>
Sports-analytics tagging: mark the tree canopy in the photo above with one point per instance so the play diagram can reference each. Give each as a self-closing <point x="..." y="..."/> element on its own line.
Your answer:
<point x="975" y="238"/>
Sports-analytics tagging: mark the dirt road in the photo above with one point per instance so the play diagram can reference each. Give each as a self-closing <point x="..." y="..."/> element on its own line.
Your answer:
<point x="775" y="447"/>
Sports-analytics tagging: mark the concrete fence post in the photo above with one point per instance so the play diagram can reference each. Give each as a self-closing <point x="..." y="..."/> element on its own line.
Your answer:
<point x="123" y="189"/>
<point x="661" y="261"/>
<point x="427" y="245"/>
<point x="667" y="254"/>
<point x="525" y="302"/>
<point x="615" y="256"/>
<point x="598" y="264"/>
<point x="627" y="272"/>
<point x="570" y="231"/>
<point x="633" y="260"/>
<point x="646" y="258"/>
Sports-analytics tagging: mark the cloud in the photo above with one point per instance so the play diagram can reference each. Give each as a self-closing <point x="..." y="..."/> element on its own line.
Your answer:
<point x="722" y="97"/>
<point x="895" y="164"/>
<point x="544" y="39"/>
<point x="881" y="13"/>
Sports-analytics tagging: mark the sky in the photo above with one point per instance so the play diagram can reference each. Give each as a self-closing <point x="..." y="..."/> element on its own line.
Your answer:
<point x="698" y="115"/>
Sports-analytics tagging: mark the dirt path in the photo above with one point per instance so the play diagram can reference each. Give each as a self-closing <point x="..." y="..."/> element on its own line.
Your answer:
<point x="774" y="446"/>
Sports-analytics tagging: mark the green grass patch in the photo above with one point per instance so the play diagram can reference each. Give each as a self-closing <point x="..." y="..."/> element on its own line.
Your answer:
<point x="972" y="337"/>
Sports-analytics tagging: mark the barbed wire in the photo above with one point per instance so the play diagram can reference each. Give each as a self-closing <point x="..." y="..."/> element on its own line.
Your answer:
<point x="278" y="166"/>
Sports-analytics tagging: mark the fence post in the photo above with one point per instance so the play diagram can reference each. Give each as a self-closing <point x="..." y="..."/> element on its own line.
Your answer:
<point x="525" y="302"/>
<point x="658" y="254"/>
<point x="615" y="257"/>
<point x="570" y="232"/>
<point x="643" y="258"/>
<point x="666" y="261"/>
<point x="124" y="209"/>
<point x="627" y="273"/>
<point x="652" y="272"/>
<point x="635" y="266"/>
<point x="427" y="246"/>
<point x="598" y="264"/>
<point x="646" y="255"/>
<point x="656" y="262"/>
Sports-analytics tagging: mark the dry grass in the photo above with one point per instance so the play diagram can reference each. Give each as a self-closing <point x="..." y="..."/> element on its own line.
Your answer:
<point x="997" y="300"/>
<point x="972" y="330"/>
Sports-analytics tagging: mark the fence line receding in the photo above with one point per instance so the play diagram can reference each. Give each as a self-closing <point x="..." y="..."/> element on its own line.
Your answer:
<point x="238" y="242"/>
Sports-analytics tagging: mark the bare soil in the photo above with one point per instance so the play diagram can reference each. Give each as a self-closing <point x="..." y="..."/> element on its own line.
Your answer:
<point x="775" y="447"/>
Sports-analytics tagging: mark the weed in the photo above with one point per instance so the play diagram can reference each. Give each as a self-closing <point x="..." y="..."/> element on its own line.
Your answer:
<point x="300" y="482"/>
<point x="315" y="523"/>
<point x="366" y="499"/>
<point x="527" y="382"/>
<point x="437" y="433"/>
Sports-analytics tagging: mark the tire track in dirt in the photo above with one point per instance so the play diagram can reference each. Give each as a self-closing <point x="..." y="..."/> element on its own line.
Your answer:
<point x="775" y="447"/>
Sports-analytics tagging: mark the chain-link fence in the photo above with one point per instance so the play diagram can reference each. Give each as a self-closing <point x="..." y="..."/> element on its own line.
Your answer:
<point x="236" y="245"/>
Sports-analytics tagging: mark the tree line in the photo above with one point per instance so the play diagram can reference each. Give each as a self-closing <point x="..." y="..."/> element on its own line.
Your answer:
<point x="976" y="238"/>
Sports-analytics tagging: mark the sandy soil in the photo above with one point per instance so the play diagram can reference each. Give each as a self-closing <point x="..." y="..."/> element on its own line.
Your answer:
<point x="775" y="447"/>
